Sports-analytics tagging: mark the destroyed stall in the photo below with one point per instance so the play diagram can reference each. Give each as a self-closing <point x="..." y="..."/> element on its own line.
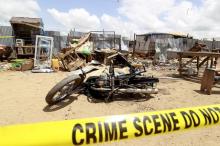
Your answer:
<point x="85" y="47"/>
<point x="25" y="30"/>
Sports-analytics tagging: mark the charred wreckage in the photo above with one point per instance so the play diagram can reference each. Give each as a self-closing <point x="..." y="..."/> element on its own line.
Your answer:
<point x="103" y="87"/>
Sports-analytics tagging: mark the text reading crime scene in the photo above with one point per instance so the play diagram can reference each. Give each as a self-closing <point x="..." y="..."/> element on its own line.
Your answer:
<point x="138" y="125"/>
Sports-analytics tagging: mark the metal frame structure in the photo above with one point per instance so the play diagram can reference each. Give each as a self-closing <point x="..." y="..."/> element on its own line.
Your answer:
<point x="102" y="36"/>
<point x="43" y="51"/>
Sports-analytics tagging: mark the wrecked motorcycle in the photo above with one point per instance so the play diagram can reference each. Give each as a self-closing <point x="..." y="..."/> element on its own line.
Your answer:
<point x="105" y="86"/>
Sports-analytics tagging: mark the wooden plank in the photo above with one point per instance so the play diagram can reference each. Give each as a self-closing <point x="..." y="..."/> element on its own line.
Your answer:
<point x="180" y="64"/>
<point x="190" y="61"/>
<point x="81" y="42"/>
<point x="201" y="54"/>
<point x="197" y="64"/>
<point x="205" y="60"/>
<point x="31" y="46"/>
<point x="212" y="62"/>
<point x="207" y="81"/>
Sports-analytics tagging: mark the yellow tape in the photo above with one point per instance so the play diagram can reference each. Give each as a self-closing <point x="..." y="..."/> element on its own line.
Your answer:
<point x="110" y="128"/>
<point x="4" y="37"/>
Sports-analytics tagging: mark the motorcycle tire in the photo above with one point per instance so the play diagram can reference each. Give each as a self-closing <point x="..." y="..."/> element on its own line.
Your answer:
<point x="59" y="86"/>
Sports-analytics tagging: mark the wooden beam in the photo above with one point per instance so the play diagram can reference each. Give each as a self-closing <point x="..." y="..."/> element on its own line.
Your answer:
<point x="201" y="54"/>
<point x="180" y="64"/>
<point x="190" y="61"/>
<point x="205" y="60"/>
<point x="197" y="65"/>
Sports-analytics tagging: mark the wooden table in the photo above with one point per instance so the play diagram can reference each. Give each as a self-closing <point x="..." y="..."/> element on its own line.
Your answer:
<point x="206" y="56"/>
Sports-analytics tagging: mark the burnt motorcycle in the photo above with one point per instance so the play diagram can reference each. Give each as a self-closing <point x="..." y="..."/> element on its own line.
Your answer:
<point x="103" y="87"/>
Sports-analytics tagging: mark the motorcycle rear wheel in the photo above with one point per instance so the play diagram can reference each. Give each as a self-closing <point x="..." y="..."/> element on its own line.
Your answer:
<point x="63" y="89"/>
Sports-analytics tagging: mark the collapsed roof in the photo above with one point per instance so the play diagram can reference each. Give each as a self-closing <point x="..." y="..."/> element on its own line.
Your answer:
<point x="33" y="22"/>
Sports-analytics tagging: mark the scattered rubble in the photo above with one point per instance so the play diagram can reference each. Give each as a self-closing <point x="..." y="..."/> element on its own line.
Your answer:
<point x="69" y="58"/>
<point x="4" y="66"/>
<point x="22" y="64"/>
<point x="120" y="78"/>
<point x="5" y="52"/>
<point x="17" y="65"/>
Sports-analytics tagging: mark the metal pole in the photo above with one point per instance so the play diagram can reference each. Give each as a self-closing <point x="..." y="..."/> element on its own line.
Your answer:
<point x="134" y="44"/>
<point x="103" y="39"/>
<point x="115" y="40"/>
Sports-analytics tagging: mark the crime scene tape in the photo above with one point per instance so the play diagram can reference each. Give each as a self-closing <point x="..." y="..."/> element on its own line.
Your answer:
<point x="5" y="37"/>
<point x="109" y="128"/>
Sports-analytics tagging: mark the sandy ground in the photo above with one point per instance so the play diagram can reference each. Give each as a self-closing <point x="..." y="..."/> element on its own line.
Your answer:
<point x="22" y="101"/>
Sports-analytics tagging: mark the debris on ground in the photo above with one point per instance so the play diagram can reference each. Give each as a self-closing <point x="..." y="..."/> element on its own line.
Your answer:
<point x="101" y="55"/>
<point x="5" y="66"/>
<point x="22" y="64"/>
<point x="120" y="78"/>
<point x="17" y="65"/>
<point x="85" y="69"/>
<point x="69" y="57"/>
<point x="5" y="52"/>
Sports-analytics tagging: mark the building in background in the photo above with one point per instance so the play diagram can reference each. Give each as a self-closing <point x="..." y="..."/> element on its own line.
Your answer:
<point x="160" y="44"/>
<point x="25" y="30"/>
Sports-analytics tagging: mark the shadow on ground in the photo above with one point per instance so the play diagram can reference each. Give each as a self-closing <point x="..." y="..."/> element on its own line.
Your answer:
<point x="204" y="93"/>
<point x="61" y="104"/>
<point x="192" y="78"/>
<point x="123" y="97"/>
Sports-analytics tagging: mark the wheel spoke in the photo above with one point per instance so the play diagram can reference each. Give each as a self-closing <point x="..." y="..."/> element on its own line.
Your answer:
<point x="65" y="91"/>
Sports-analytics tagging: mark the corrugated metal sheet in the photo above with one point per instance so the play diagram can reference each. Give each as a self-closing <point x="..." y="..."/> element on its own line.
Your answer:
<point x="105" y="40"/>
<point x="148" y="42"/>
<point x="63" y="41"/>
<point x="105" y="35"/>
<point x="6" y="31"/>
<point x="56" y="38"/>
<point x="76" y="34"/>
<point x="52" y="33"/>
<point x="184" y="44"/>
<point x="211" y="44"/>
<point x="100" y="39"/>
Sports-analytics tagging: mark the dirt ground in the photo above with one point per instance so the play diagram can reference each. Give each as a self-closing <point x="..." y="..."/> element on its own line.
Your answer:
<point x="22" y="100"/>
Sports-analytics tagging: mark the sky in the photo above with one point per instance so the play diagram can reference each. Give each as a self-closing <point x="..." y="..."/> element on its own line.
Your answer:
<point x="199" y="18"/>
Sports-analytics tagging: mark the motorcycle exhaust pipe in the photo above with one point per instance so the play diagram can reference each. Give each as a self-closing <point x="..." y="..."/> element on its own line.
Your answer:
<point x="145" y="91"/>
<point x="129" y="90"/>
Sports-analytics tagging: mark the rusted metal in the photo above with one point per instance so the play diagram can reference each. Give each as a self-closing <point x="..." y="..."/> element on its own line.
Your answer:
<point x="106" y="85"/>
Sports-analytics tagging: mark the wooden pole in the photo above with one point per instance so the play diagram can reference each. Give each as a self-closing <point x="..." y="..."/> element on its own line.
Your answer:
<point x="180" y="64"/>
<point x="197" y="65"/>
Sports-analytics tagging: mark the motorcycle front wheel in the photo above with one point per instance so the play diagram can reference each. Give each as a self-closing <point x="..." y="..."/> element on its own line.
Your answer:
<point x="63" y="89"/>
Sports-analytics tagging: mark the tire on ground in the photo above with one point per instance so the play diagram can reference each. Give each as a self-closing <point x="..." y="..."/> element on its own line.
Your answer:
<point x="49" y="98"/>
